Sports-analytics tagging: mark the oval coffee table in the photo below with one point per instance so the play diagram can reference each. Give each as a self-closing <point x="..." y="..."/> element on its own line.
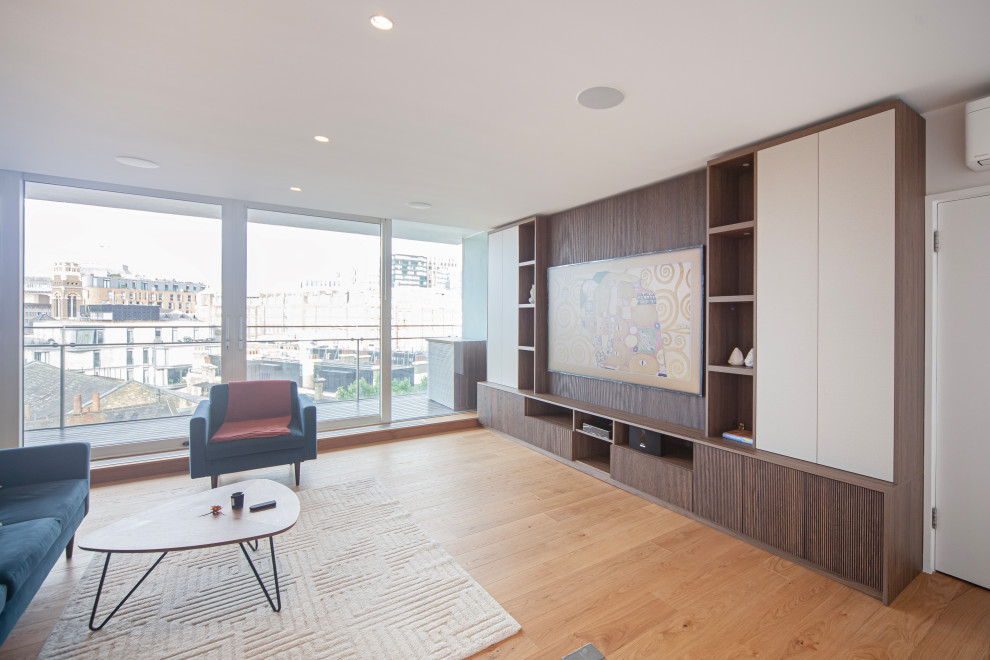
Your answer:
<point x="182" y="525"/>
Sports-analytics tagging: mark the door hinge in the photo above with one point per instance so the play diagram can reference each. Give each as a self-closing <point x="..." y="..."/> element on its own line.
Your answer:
<point x="937" y="243"/>
<point x="934" y="518"/>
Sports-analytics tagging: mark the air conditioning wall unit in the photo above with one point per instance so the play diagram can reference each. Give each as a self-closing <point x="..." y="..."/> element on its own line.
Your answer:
<point x="978" y="135"/>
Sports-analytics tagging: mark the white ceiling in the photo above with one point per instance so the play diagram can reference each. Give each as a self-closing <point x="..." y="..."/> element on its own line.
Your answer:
<point x="467" y="105"/>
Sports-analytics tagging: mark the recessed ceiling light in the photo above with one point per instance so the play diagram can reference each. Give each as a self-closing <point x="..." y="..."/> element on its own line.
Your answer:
<point x="381" y="22"/>
<point x="420" y="205"/>
<point x="600" y="98"/>
<point x="137" y="162"/>
<point x="295" y="189"/>
<point x="321" y="138"/>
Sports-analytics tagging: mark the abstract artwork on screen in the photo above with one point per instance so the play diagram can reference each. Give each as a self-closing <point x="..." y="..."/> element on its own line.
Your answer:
<point x="633" y="319"/>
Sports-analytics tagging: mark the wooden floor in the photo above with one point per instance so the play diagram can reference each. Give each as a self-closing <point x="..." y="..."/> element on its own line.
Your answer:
<point x="404" y="407"/>
<point x="576" y="560"/>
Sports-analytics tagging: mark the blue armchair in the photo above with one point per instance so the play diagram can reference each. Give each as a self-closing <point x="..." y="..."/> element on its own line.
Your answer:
<point x="44" y="496"/>
<point x="208" y="456"/>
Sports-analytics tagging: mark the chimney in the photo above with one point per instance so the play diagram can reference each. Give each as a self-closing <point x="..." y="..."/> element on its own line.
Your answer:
<point x="96" y="403"/>
<point x="77" y="404"/>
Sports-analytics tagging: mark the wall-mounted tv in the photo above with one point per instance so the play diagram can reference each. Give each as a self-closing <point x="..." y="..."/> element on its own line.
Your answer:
<point x="634" y="320"/>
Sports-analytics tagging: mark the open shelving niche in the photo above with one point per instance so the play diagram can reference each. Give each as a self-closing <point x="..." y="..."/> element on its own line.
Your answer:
<point x="532" y="273"/>
<point x="731" y="292"/>
<point x="599" y="454"/>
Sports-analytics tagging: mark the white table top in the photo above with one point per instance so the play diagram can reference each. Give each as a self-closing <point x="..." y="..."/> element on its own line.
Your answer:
<point x="181" y="525"/>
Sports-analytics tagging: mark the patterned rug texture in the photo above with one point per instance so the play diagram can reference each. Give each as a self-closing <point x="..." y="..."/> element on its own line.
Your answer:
<point x="359" y="579"/>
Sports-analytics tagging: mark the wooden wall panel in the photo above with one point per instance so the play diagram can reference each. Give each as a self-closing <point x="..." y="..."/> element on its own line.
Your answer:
<point x="718" y="486"/>
<point x="542" y="257"/>
<point x="909" y="303"/>
<point x="905" y="519"/>
<point x="663" y="216"/>
<point x="773" y="508"/>
<point x="653" y="476"/>
<point x="844" y="528"/>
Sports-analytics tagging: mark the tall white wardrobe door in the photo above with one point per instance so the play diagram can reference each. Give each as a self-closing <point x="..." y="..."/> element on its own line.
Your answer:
<point x="509" y="315"/>
<point x="494" y="344"/>
<point x="856" y="297"/>
<point x="787" y="299"/>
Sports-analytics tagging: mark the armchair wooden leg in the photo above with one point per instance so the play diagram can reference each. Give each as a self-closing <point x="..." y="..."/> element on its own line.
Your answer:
<point x="298" y="466"/>
<point x="214" y="480"/>
<point x="68" y="548"/>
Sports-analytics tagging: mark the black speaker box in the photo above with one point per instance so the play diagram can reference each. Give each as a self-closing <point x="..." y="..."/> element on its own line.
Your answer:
<point x="646" y="441"/>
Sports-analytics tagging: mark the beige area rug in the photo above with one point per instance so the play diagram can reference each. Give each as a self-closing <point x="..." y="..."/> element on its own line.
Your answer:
<point x="359" y="578"/>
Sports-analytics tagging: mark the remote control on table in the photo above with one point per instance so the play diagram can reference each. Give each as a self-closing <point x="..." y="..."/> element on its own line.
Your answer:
<point x="261" y="506"/>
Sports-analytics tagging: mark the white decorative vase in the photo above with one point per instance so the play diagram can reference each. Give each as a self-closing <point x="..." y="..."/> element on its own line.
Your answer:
<point x="749" y="358"/>
<point x="532" y="295"/>
<point x="736" y="359"/>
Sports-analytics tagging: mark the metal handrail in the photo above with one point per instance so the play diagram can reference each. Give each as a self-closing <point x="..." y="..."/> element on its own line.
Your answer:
<point x="62" y="351"/>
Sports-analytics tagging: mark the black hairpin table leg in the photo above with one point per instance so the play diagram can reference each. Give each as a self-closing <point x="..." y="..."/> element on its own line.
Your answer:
<point x="253" y="544"/>
<point x="278" y="594"/>
<point x="99" y="591"/>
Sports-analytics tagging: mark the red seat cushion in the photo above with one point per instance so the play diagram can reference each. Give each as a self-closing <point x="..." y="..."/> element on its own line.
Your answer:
<point x="252" y="428"/>
<point x="256" y="409"/>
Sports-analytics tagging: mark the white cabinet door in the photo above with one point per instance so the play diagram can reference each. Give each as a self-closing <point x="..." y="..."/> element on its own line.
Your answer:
<point x="787" y="299"/>
<point x="494" y="307"/>
<point x="509" y="315"/>
<point x="856" y="297"/>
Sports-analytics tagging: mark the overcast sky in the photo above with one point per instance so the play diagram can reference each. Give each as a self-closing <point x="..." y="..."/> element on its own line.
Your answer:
<point x="159" y="245"/>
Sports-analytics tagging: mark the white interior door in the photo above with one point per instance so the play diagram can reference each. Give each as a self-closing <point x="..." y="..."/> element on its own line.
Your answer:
<point x="962" y="391"/>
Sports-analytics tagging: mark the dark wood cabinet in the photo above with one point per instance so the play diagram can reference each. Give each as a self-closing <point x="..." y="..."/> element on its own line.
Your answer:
<point x="841" y="525"/>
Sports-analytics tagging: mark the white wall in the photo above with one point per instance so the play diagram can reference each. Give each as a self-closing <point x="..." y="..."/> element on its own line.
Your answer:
<point x="946" y="152"/>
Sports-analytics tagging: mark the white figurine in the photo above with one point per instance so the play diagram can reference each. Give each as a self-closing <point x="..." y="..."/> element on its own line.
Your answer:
<point x="749" y="358"/>
<point x="736" y="359"/>
<point x="532" y="294"/>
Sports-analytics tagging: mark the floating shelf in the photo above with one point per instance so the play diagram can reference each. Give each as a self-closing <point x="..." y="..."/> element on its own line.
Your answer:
<point x="735" y="229"/>
<point x="527" y="306"/>
<point x="600" y="463"/>
<point x="731" y="299"/>
<point x="729" y="369"/>
<point x="531" y="262"/>
<point x="592" y="435"/>
<point x="527" y="348"/>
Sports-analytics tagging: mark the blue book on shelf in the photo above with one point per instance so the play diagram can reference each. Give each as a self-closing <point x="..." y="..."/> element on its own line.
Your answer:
<point x="739" y="435"/>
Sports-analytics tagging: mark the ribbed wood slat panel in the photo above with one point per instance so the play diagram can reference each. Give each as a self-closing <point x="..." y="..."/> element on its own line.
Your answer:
<point x="503" y="411"/>
<point x="652" y="476"/>
<point x="718" y="486"/>
<point x="485" y="396"/>
<point x="664" y="216"/>
<point x="549" y="437"/>
<point x="774" y="506"/>
<point x="844" y="530"/>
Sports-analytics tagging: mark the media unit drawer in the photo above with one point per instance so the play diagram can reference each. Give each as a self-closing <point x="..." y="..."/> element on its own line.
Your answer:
<point x="653" y="476"/>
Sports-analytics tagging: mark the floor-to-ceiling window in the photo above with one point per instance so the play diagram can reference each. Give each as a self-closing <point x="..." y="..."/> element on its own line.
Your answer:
<point x="427" y="301"/>
<point x="124" y="324"/>
<point x="121" y="315"/>
<point x="314" y="311"/>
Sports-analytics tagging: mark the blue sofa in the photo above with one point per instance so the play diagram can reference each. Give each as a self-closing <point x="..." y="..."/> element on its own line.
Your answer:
<point x="44" y="496"/>
<point x="211" y="459"/>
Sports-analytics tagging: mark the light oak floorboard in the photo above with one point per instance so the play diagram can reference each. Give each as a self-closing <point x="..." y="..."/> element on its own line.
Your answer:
<point x="576" y="560"/>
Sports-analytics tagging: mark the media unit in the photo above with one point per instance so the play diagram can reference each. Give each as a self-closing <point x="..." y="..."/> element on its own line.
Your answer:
<point x="834" y="479"/>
